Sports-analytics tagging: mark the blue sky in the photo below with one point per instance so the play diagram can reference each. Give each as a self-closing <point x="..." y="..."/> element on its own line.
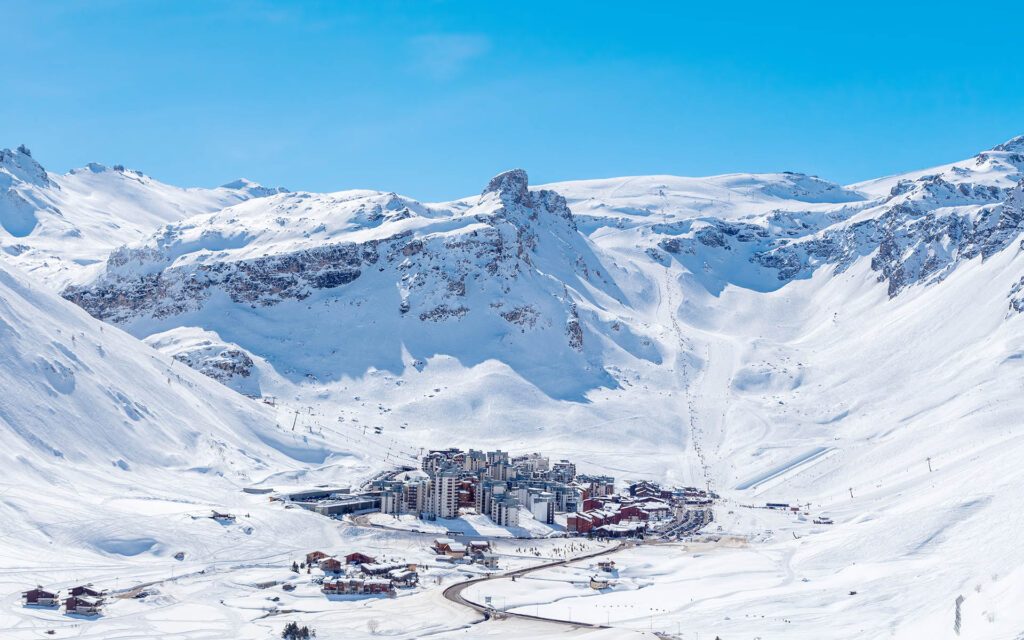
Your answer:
<point x="432" y="98"/>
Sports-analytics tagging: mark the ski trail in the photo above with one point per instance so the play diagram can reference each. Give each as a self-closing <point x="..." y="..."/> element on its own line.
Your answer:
<point x="685" y="370"/>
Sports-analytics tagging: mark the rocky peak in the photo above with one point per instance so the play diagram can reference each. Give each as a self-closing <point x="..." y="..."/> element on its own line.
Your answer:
<point x="19" y="165"/>
<point x="1012" y="145"/>
<point x="512" y="186"/>
<point x="1011" y="217"/>
<point x="521" y="205"/>
<point x="253" y="189"/>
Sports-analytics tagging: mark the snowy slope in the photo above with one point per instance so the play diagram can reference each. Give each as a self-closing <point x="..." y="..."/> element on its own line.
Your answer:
<point x="81" y="394"/>
<point x="504" y="275"/>
<point x="60" y="225"/>
<point x="776" y="336"/>
<point x="92" y="420"/>
<point x="113" y="457"/>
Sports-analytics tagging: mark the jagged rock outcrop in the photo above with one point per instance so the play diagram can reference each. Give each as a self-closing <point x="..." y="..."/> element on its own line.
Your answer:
<point x="19" y="174"/>
<point x="923" y="233"/>
<point x="58" y="226"/>
<point x="467" y="278"/>
<point x="509" y="262"/>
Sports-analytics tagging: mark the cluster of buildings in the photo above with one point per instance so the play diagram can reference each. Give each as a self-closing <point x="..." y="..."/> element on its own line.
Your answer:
<point x="492" y="483"/>
<point x="632" y="512"/>
<point x="361" y="574"/>
<point x="452" y="482"/>
<point x="82" y="600"/>
<point x="479" y="551"/>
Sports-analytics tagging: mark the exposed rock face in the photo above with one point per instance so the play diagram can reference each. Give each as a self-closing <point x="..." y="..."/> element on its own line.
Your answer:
<point x="220" y="364"/>
<point x="510" y="263"/>
<point x="20" y="165"/>
<point x="17" y="206"/>
<point x="149" y="280"/>
<point x="916" y="239"/>
<point x="918" y="233"/>
<point x="205" y="352"/>
<point x="257" y="282"/>
<point x="59" y="226"/>
<point x="467" y="278"/>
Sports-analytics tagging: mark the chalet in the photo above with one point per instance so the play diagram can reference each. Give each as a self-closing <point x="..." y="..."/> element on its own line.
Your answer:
<point x="83" y="605"/>
<point x="380" y="569"/>
<point x="359" y="558"/>
<point x="313" y="557"/>
<point x="450" y="548"/>
<point x="403" y="577"/>
<point x="357" y="586"/>
<point x="488" y="560"/>
<point x="222" y="517"/>
<point x="479" y="545"/>
<point x="331" y="565"/>
<point x="86" y="590"/>
<point x="597" y="582"/>
<point x="456" y="550"/>
<point x="441" y="545"/>
<point x="40" y="597"/>
<point x="608" y="566"/>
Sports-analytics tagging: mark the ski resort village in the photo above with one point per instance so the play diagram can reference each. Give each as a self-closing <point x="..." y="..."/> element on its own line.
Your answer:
<point x="526" y="496"/>
<point x="454" y="320"/>
<point x="462" y="525"/>
<point x="661" y="428"/>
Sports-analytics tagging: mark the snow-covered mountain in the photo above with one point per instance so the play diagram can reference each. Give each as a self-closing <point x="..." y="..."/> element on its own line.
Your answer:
<point x="113" y="457"/>
<point x="505" y="274"/>
<point x="59" y="225"/>
<point x="777" y="336"/>
<point x="108" y="444"/>
<point x="550" y="282"/>
<point x="79" y="393"/>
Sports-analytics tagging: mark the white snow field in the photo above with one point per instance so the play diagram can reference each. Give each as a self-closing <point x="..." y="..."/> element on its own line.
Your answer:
<point x="60" y="225"/>
<point x="857" y="350"/>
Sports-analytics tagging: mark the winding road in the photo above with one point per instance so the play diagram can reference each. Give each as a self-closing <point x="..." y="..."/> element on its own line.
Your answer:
<point x="454" y="592"/>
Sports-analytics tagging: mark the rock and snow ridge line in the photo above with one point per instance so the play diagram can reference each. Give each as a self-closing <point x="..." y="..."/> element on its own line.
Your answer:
<point x="521" y="265"/>
<point x="522" y="271"/>
<point x="508" y="261"/>
<point x="61" y="226"/>
<point x="773" y="370"/>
